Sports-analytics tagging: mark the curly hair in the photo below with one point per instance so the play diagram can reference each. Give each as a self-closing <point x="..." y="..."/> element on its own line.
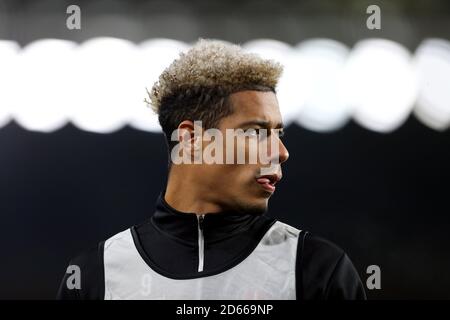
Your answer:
<point x="196" y="86"/>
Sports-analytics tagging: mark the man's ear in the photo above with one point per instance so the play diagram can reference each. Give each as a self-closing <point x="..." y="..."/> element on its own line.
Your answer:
<point x="189" y="137"/>
<point x="186" y="131"/>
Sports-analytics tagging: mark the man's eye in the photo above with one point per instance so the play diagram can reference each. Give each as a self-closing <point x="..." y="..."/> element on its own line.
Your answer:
<point x="254" y="132"/>
<point x="278" y="133"/>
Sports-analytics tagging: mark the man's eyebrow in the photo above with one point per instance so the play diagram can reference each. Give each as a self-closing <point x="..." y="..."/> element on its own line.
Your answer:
<point x="261" y="123"/>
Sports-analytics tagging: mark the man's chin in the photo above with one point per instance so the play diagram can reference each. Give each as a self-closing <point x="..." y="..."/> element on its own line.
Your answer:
<point x="256" y="208"/>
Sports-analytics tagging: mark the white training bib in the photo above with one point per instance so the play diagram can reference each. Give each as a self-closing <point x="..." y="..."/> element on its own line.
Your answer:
<point x="267" y="273"/>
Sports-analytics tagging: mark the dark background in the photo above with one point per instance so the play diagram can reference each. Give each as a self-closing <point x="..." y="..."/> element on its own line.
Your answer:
<point x="383" y="197"/>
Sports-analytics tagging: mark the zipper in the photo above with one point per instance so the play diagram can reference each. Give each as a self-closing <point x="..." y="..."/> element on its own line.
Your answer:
<point x="201" y="242"/>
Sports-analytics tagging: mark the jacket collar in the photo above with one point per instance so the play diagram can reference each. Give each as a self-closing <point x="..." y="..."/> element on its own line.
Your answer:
<point x="184" y="226"/>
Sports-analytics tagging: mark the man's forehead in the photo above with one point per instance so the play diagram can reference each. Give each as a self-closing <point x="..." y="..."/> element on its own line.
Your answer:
<point x="254" y="97"/>
<point x="256" y="107"/>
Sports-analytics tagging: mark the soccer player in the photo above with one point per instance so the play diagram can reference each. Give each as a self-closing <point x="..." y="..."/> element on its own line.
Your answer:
<point x="210" y="236"/>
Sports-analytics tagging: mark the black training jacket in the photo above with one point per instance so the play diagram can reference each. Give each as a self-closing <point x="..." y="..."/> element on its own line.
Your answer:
<point x="226" y="255"/>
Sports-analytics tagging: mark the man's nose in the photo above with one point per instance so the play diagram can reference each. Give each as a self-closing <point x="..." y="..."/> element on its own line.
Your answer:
<point x="283" y="152"/>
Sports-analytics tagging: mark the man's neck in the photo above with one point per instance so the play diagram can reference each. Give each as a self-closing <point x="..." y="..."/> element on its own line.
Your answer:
<point x="184" y="194"/>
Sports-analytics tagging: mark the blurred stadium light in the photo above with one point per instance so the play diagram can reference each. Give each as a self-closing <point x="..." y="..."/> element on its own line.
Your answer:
<point x="99" y="85"/>
<point x="432" y="61"/>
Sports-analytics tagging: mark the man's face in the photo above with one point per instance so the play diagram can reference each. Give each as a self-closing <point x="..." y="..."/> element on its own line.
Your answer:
<point x="243" y="187"/>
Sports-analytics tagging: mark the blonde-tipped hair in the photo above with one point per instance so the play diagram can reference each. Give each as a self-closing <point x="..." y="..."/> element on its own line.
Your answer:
<point x="214" y="64"/>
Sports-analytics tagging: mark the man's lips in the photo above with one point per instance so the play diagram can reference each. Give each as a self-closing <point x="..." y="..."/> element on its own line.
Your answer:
<point x="268" y="181"/>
